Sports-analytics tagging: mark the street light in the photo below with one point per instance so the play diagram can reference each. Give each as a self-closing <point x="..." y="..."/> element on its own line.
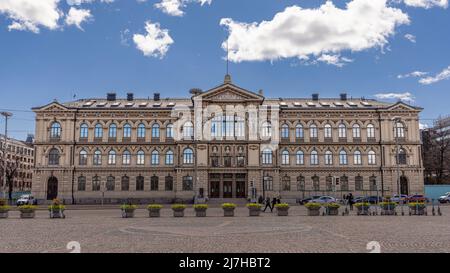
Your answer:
<point x="396" y="120"/>
<point x="6" y="115"/>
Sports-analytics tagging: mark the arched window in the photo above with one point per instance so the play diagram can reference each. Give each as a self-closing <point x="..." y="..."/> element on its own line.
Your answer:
<point x="168" y="183"/>
<point x="169" y="157"/>
<point x="300" y="158"/>
<point x="286" y="183"/>
<point x="112" y="131"/>
<point x="95" y="183"/>
<point x="169" y="131"/>
<point x="342" y="130"/>
<point x="126" y="158"/>
<point x="140" y="157"/>
<point x="316" y="183"/>
<point x="97" y="157"/>
<point x="110" y="183"/>
<point x="155" y="130"/>
<point x="401" y="157"/>
<point x="81" y="183"/>
<point x="239" y="128"/>
<point x="301" y="183"/>
<point x="266" y="129"/>
<point x="53" y="157"/>
<point x="84" y="130"/>
<point x="373" y="183"/>
<point x="155" y="157"/>
<point x="188" y="183"/>
<point x="344" y="183"/>
<point x="268" y="183"/>
<point x="299" y="131"/>
<point x="188" y="130"/>
<point x="125" y="183"/>
<point x="285" y="157"/>
<point x="140" y="183"/>
<point x="141" y="130"/>
<point x="328" y="158"/>
<point x="188" y="156"/>
<point x="356" y="131"/>
<point x="127" y="131"/>
<point x="372" y="158"/>
<point x="267" y="156"/>
<point x="313" y="131"/>
<point x="55" y="130"/>
<point x="112" y="157"/>
<point x="154" y="183"/>
<point x="328" y="131"/>
<point x="285" y="131"/>
<point x="399" y="130"/>
<point x="343" y="157"/>
<point x="370" y="131"/>
<point x="357" y="158"/>
<point x="329" y="183"/>
<point x="359" y="183"/>
<point x="82" y="158"/>
<point x="98" y="131"/>
<point x="314" y="160"/>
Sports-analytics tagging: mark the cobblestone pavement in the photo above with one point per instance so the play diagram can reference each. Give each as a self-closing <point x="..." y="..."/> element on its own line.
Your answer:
<point x="106" y="231"/>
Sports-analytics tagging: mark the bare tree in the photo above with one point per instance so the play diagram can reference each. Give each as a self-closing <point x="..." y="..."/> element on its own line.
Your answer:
<point x="12" y="170"/>
<point x="436" y="151"/>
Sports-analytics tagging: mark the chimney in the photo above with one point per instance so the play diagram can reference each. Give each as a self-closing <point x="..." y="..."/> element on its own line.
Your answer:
<point x="343" y="96"/>
<point x="156" y="96"/>
<point x="315" y="97"/>
<point x="195" y="91"/>
<point x="130" y="96"/>
<point x="111" y="96"/>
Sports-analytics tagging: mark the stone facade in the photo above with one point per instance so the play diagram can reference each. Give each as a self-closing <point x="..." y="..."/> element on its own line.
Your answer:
<point x="157" y="149"/>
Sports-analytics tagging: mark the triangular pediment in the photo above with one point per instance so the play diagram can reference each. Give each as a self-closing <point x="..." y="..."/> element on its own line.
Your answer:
<point x="401" y="106"/>
<point x="229" y="92"/>
<point x="53" y="106"/>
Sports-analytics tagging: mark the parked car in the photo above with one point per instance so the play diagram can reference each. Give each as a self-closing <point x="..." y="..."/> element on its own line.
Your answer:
<point x="26" y="199"/>
<point x="324" y="199"/>
<point x="359" y="199"/>
<point x="373" y="199"/>
<point x="306" y="200"/>
<point x="396" y="198"/>
<point x="417" y="198"/>
<point x="445" y="198"/>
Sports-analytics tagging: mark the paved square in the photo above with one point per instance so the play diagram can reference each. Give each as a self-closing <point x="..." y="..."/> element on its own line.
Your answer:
<point x="105" y="231"/>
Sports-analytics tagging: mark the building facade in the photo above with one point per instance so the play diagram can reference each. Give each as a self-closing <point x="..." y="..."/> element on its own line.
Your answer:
<point x="226" y="142"/>
<point x="20" y="163"/>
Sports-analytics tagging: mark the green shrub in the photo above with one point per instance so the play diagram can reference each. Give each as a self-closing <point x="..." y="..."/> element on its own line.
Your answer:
<point x="253" y="205"/>
<point x="362" y="204"/>
<point x="313" y="205"/>
<point x="200" y="206"/>
<point x="178" y="206"/>
<point x="228" y="205"/>
<point x="389" y="204"/>
<point x="154" y="206"/>
<point x="128" y="207"/>
<point x="27" y="208"/>
<point x="282" y="206"/>
<point x="56" y="207"/>
<point x="419" y="205"/>
<point x="4" y="208"/>
<point x="332" y="205"/>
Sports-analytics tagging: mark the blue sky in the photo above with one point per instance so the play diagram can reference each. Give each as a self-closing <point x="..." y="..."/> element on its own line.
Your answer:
<point x="48" y="52"/>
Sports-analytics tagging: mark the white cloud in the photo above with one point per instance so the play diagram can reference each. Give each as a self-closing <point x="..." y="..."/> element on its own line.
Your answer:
<point x="79" y="2"/>
<point x="77" y="17"/>
<point x="336" y="60"/>
<point x="415" y="74"/>
<point x="298" y="32"/>
<point x="444" y="74"/>
<point x="407" y="97"/>
<point x="31" y="14"/>
<point x="155" y="43"/>
<point x="174" y="7"/>
<point x="410" y="38"/>
<point x="423" y="126"/>
<point x="427" y="4"/>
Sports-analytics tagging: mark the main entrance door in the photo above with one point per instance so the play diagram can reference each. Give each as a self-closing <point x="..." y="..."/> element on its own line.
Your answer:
<point x="227" y="189"/>
<point x="52" y="188"/>
<point x="227" y="185"/>
<point x="240" y="189"/>
<point x="404" y="185"/>
<point x="214" y="189"/>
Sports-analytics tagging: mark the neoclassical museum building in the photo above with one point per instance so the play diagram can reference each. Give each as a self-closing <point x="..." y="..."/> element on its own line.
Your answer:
<point x="223" y="143"/>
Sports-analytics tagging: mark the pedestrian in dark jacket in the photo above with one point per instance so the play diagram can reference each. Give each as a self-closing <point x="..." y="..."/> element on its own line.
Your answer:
<point x="274" y="201"/>
<point x="267" y="201"/>
<point x="260" y="199"/>
<point x="350" y="200"/>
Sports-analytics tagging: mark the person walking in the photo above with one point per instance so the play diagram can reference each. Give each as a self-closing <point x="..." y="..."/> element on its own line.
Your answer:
<point x="274" y="201"/>
<point x="267" y="201"/>
<point x="350" y="200"/>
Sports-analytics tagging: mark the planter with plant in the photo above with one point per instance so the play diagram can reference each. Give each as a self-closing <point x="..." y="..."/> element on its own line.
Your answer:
<point x="388" y="208"/>
<point x="282" y="209"/>
<point x="200" y="210"/>
<point x="178" y="210"/>
<point x="154" y="210"/>
<point x="313" y="208"/>
<point x="417" y="208"/>
<point x="27" y="211"/>
<point x="332" y="208"/>
<point x="254" y="209"/>
<point x="228" y="209"/>
<point x="362" y="208"/>
<point x="56" y="209"/>
<point x="128" y="210"/>
<point x="4" y="208"/>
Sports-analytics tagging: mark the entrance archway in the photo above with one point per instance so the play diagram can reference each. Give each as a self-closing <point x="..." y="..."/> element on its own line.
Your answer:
<point x="52" y="188"/>
<point x="404" y="185"/>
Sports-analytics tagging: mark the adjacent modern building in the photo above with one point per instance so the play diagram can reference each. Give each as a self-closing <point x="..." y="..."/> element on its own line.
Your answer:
<point x="226" y="142"/>
<point x="20" y="162"/>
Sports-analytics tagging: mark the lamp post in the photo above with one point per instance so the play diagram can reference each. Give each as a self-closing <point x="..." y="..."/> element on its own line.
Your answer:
<point x="396" y="120"/>
<point x="6" y="115"/>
